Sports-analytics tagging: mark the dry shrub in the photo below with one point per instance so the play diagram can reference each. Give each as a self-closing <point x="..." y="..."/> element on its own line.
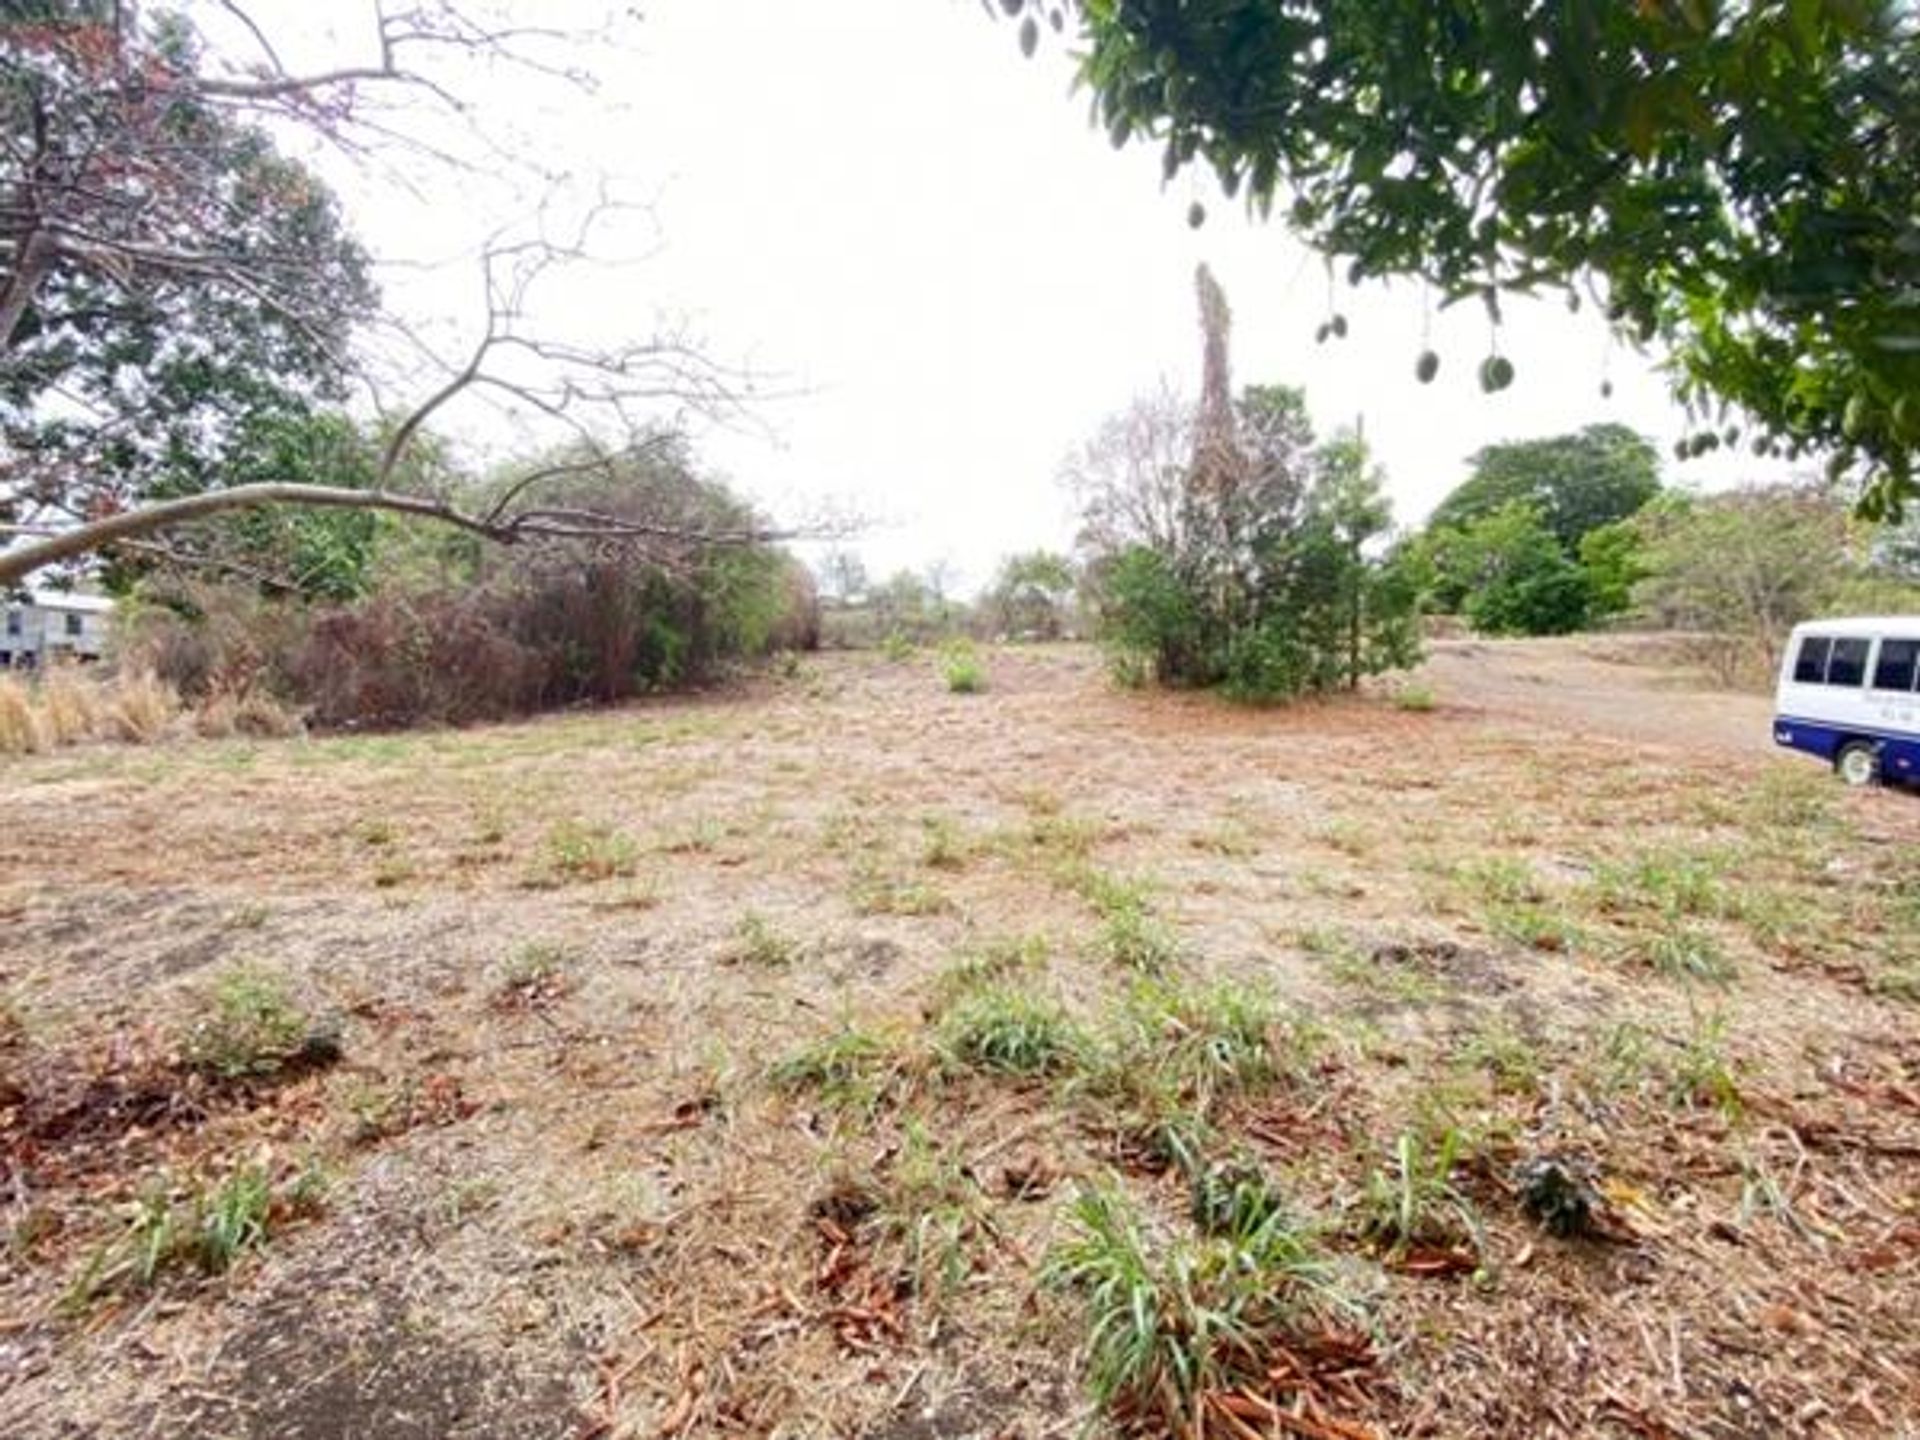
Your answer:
<point x="141" y="707"/>
<point x="265" y="718"/>
<point x="445" y="657"/>
<point x="216" y="717"/>
<point x="69" y="706"/>
<point x="22" y="732"/>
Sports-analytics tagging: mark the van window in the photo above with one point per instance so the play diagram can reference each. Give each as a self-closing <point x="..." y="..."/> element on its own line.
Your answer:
<point x="1811" y="666"/>
<point x="1897" y="666"/>
<point x="1848" y="665"/>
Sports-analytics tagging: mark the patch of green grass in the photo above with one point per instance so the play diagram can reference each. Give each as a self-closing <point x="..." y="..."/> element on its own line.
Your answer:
<point x="1504" y="1054"/>
<point x="1535" y="926"/>
<point x="1230" y="839"/>
<point x="1705" y="1074"/>
<point x="1009" y="1032"/>
<point x="576" y="851"/>
<point x="1418" y="699"/>
<point x="1791" y="798"/>
<point x="535" y="974"/>
<point x="877" y="894"/>
<point x="393" y="871"/>
<point x="944" y="845"/>
<point x="993" y="963"/>
<point x="851" y="1069"/>
<point x="760" y="943"/>
<point x="1672" y="883"/>
<point x="1413" y="1199"/>
<point x="1682" y="952"/>
<point x="896" y="648"/>
<point x="1897" y="980"/>
<point x="207" y="1228"/>
<point x="1206" y="1040"/>
<point x="1131" y="934"/>
<point x="1172" y="1319"/>
<point x="1500" y="880"/>
<point x="1349" y="837"/>
<point x="962" y="669"/>
<point x="376" y="832"/>
<point x="930" y="1201"/>
<point x="247" y="1024"/>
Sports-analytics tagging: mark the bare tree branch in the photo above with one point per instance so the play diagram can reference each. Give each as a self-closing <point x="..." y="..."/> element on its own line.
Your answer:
<point x="18" y="563"/>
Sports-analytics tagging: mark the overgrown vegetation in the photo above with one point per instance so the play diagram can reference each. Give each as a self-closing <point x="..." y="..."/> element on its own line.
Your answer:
<point x="1224" y="548"/>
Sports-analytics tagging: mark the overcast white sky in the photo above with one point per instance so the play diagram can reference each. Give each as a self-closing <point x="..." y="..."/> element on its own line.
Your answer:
<point x="881" y="203"/>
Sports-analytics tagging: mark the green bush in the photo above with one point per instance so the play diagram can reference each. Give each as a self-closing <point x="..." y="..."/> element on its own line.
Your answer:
<point x="962" y="669"/>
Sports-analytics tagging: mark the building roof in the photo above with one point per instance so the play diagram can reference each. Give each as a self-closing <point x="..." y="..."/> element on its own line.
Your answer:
<point x="66" y="600"/>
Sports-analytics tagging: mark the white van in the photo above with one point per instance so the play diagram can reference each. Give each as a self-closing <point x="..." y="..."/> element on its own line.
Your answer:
<point x="1850" y="693"/>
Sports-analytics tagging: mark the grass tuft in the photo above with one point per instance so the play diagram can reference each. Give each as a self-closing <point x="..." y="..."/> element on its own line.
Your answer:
<point x="1009" y="1032"/>
<point x="1170" y="1321"/>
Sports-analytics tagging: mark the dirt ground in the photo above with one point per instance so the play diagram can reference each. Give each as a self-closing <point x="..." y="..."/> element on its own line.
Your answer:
<point x="633" y="1091"/>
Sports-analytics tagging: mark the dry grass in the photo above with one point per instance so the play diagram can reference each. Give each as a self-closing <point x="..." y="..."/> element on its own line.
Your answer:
<point x="141" y="707"/>
<point x="768" y="1157"/>
<point x="23" y="729"/>
<point x="67" y="707"/>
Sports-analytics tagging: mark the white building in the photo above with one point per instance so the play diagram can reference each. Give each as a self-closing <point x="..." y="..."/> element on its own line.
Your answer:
<point x="50" y="627"/>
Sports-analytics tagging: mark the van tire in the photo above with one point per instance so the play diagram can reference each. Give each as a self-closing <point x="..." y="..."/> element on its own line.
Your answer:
<point x="1857" y="763"/>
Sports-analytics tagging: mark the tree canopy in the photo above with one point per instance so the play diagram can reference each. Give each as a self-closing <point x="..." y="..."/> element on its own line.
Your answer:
<point x="1738" y="183"/>
<point x="1576" y="482"/>
<point x="180" y="301"/>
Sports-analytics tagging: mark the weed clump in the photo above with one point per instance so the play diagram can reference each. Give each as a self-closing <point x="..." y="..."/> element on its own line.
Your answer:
<point x="249" y="1025"/>
<point x="1008" y="1032"/>
<point x="851" y="1069"/>
<point x="961" y="667"/>
<point x="760" y="943"/>
<point x="206" y="1227"/>
<point x="1173" y="1321"/>
<point x="577" y="852"/>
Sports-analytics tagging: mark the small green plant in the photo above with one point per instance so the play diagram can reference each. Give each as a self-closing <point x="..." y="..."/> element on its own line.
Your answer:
<point x="1416" y="699"/>
<point x="931" y="1201"/>
<point x="1170" y="1321"/>
<point x="1684" y="952"/>
<point x="1504" y="1054"/>
<point x="945" y="847"/>
<point x="248" y="1024"/>
<point x="1131" y="935"/>
<point x="1501" y="880"/>
<point x="962" y="669"/>
<point x="535" y="974"/>
<point x="232" y="1219"/>
<point x="897" y="648"/>
<point x="377" y="832"/>
<point x="1207" y="1041"/>
<point x="993" y="963"/>
<point x="1705" y="1074"/>
<point x="207" y="1228"/>
<point x="1671" y="883"/>
<point x="1347" y="836"/>
<point x="759" y="942"/>
<point x="581" y="852"/>
<point x="1009" y="1032"/>
<point x="1413" y="1201"/>
<point x="851" y="1069"/>
<point x="878" y="894"/>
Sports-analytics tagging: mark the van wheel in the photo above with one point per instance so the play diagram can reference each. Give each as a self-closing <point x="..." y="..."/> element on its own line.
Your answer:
<point x="1857" y="763"/>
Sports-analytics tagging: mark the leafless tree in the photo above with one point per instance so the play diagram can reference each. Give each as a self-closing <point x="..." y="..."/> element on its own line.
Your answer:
<point x="105" y="177"/>
<point x="1130" y="480"/>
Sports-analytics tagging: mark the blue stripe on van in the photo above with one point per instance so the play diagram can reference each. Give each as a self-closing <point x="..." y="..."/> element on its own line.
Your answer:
<point x="1899" y="751"/>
